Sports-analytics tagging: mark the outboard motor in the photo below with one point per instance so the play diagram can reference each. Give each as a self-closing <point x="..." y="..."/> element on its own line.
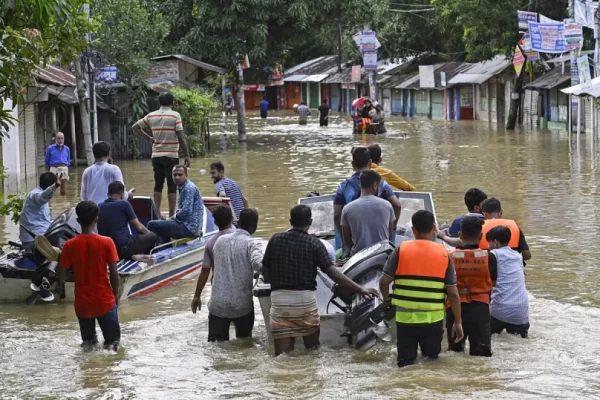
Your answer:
<point x="63" y="228"/>
<point x="365" y="315"/>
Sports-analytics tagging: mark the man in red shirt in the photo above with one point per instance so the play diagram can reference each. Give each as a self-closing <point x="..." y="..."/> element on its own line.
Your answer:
<point x="96" y="298"/>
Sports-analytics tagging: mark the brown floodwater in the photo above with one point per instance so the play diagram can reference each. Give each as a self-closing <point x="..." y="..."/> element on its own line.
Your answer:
<point x="546" y="181"/>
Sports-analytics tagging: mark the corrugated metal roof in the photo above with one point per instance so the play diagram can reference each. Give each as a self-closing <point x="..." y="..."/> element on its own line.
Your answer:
<point x="551" y="79"/>
<point x="482" y="71"/>
<point x="192" y="61"/>
<point x="410" y="83"/>
<point x="55" y="76"/>
<point x="295" y="78"/>
<point x="567" y="57"/>
<point x="305" y="64"/>
<point x="315" y="78"/>
<point x="470" y="78"/>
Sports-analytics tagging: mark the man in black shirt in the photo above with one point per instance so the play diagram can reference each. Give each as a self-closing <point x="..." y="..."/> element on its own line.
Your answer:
<point x="290" y="266"/>
<point x="324" y="112"/>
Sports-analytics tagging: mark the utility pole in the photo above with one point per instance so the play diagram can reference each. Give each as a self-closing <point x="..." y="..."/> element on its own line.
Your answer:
<point x="372" y="78"/>
<point x="575" y="101"/>
<point x="241" y="106"/>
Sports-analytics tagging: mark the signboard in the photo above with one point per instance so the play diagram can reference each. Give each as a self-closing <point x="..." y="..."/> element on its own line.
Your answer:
<point x="426" y="77"/>
<point x="524" y="17"/>
<point x="254" y="88"/>
<point x="350" y="86"/>
<point x="573" y="34"/>
<point x="370" y="60"/>
<point x="107" y="74"/>
<point x="547" y="38"/>
<point x="518" y="60"/>
<point x="443" y="78"/>
<point x="368" y="42"/>
<point x="358" y="38"/>
<point x="584" y="13"/>
<point x="583" y="67"/>
<point x="356" y="73"/>
<point x="245" y="63"/>
<point x="526" y="46"/>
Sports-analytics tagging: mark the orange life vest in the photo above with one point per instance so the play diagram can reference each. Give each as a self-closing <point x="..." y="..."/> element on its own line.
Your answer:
<point x="473" y="275"/>
<point x="488" y="224"/>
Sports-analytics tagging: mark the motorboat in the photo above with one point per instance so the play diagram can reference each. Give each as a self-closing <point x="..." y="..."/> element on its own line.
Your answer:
<point x="28" y="276"/>
<point x="348" y="319"/>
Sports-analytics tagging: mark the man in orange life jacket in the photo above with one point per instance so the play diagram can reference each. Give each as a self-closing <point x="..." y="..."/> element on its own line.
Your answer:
<point x="422" y="273"/>
<point x="476" y="269"/>
<point x="492" y="211"/>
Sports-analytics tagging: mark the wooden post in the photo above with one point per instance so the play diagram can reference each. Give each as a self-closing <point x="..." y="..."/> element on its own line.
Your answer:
<point x="73" y="136"/>
<point x="207" y="135"/>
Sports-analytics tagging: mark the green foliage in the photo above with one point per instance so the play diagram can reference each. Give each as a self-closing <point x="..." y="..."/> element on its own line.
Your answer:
<point x="33" y="32"/>
<point x="12" y="207"/>
<point x="129" y="36"/>
<point x="195" y="106"/>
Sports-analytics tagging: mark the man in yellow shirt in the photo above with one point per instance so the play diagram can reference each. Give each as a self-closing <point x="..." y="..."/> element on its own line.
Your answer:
<point x="390" y="177"/>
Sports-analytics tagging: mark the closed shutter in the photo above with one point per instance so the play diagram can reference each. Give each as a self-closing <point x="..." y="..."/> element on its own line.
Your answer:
<point x="396" y="101"/>
<point x="437" y="104"/>
<point x="587" y="111"/>
<point x="422" y="102"/>
<point x="27" y="143"/>
<point x="387" y="100"/>
<point x="530" y="108"/>
<point x="334" y="95"/>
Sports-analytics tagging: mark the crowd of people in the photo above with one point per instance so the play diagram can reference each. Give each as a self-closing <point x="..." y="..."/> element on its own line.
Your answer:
<point x="478" y="288"/>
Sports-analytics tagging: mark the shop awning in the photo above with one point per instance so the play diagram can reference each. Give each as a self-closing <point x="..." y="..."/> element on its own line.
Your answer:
<point x="578" y="90"/>
<point x="550" y="79"/>
<point x="295" y="78"/>
<point x="315" y="78"/>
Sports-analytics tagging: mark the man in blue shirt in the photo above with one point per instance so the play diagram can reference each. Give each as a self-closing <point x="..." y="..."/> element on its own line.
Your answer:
<point x="226" y="187"/>
<point x="264" y="108"/>
<point x="116" y="215"/>
<point x="35" y="215"/>
<point x="58" y="159"/>
<point x="349" y="190"/>
<point x="188" y="219"/>
<point x="473" y="199"/>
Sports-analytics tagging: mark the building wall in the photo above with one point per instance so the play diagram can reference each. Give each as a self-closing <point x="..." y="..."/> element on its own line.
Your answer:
<point x="294" y="94"/>
<point x="386" y="100"/>
<point x="27" y="143"/>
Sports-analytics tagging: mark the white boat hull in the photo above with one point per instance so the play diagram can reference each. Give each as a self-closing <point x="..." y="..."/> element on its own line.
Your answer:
<point x="132" y="285"/>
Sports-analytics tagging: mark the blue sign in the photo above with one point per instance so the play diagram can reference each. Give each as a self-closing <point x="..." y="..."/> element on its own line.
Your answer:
<point x="107" y="74"/>
<point x="547" y="38"/>
<point x="525" y="17"/>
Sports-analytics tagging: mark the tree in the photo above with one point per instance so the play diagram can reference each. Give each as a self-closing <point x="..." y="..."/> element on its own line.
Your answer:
<point x="130" y="35"/>
<point x="32" y="32"/>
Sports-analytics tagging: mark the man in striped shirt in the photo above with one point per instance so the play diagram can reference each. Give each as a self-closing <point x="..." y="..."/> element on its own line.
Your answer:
<point x="226" y="187"/>
<point x="167" y="137"/>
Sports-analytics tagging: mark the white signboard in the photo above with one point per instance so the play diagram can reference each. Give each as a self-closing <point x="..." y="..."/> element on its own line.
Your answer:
<point x="583" y="66"/>
<point x="426" y="77"/>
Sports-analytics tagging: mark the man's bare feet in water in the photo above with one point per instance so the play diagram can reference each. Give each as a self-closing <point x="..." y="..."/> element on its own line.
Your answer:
<point x="143" y="258"/>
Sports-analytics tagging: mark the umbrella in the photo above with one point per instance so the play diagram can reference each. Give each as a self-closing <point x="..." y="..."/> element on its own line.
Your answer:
<point x="361" y="101"/>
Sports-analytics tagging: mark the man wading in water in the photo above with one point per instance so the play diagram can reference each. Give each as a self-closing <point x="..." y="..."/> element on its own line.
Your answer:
<point x="290" y="265"/>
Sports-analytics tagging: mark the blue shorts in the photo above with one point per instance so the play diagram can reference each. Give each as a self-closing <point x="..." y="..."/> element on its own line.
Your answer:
<point x="109" y="325"/>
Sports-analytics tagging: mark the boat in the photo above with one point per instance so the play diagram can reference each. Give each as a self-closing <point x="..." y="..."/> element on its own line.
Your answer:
<point x="348" y="319"/>
<point x="27" y="276"/>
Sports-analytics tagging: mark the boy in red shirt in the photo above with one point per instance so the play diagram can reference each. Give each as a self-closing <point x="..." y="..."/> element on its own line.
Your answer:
<point x="95" y="297"/>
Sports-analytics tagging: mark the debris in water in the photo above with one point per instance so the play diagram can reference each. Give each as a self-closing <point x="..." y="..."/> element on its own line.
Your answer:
<point x="444" y="163"/>
<point x="202" y="171"/>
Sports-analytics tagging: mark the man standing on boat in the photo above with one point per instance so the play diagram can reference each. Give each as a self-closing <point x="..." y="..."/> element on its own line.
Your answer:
<point x="290" y="265"/>
<point x="223" y="217"/>
<point x="35" y="215"/>
<point x="96" y="178"/>
<point x="58" y="159"/>
<point x="422" y="273"/>
<point x="236" y="258"/>
<point x="167" y="139"/>
<point x="187" y="221"/>
<point x="388" y="175"/>
<point x="226" y="187"/>
<point x="349" y="190"/>
<point x="368" y="219"/>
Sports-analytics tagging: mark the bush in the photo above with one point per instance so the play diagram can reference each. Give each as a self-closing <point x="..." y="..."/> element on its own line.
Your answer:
<point x="195" y="106"/>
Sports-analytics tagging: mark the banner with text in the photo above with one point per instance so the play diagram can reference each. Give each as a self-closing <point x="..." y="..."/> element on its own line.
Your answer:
<point x="370" y="60"/>
<point x="547" y="38"/>
<point x="583" y="68"/>
<point x="573" y="34"/>
<point x="525" y="17"/>
<point x="526" y="46"/>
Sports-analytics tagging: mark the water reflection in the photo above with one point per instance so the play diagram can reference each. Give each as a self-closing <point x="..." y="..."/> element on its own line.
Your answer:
<point x="546" y="182"/>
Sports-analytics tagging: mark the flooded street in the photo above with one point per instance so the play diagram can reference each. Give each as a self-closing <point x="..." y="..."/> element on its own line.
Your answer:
<point x="545" y="182"/>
